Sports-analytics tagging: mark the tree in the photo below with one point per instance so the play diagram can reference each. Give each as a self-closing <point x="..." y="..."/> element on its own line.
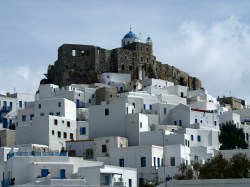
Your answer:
<point x="220" y="168"/>
<point x="217" y="168"/>
<point x="239" y="165"/>
<point x="185" y="172"/>
<point x="232" y="137"/>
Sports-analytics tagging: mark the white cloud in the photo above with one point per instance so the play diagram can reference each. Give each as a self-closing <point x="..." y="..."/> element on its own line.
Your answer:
<point x="218" y="54"/>
<point x="20" y="78"/>
<point x="23" y="72"/>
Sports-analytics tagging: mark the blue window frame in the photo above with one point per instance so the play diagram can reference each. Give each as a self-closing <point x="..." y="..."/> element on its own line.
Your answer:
<point x="150" y="107"/>
<point x="144" y="106"/>
<point x="199" y="138"/>
<point x="20" y="104"/>
<point x="215" y="123"/>
<point x="180" y="123"/>
<point x="158" y="162"/>
<point x="44" y="172"/>
<point x="175" y="122"/>
<point x="82" y="130"/>
<point x="62" y="173"/>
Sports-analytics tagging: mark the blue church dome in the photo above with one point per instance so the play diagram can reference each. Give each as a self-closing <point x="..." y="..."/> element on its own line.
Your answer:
<point x="130" y="35"/>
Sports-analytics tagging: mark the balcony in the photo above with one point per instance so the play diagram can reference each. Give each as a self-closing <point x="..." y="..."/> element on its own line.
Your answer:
<point x="6" y="182"/>
<point x="33" y="153"/>
<point x="6" y="109"/>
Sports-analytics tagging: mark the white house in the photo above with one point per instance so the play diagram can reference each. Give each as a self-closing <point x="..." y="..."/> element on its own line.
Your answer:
<point x="147" y="159"/>
<point x="49" y="122"/>
<point x="200" y="99"/>
<point x="184" y="116"/>
<point x="9" y="106"/>
<point x="38" y="164"/>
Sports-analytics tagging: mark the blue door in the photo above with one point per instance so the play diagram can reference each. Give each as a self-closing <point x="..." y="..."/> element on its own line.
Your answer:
<point x="107" y="180"/>
<point x="77" y="103"/>
<point x="62" y="173"/>
<point x="44" y="172"/>
<point x="5" y="105"/>
<point x="5" y="122"/>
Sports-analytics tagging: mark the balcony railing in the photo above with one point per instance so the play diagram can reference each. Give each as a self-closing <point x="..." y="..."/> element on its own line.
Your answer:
<point x="6" y="182"/>
<point x="33" y="153"/>
<point x="6" y="109"/>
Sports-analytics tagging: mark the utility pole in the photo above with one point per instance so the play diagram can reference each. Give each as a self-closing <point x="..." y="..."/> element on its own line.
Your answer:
<point x="163" y="164"/>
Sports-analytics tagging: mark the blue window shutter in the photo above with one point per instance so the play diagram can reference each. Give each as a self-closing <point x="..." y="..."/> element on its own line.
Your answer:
<point x="62" y="173"/>
<point x="44" y="172"/>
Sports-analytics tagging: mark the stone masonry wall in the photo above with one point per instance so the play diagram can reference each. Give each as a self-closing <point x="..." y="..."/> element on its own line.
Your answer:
<point x="83" y="64"/>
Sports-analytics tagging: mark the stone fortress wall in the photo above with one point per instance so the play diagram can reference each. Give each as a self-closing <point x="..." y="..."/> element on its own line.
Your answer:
<point x="83" y="64"/>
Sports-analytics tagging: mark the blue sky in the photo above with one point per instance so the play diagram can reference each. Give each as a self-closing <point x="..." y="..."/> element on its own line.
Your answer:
<point x="208" y="39"/>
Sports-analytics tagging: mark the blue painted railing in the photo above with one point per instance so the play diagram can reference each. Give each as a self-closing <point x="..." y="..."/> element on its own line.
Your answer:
<point x="37" y="154"/>
<point x="6" y="182"/>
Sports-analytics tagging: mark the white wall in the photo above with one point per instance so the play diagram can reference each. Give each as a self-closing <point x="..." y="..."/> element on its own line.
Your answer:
<point x="210" y="182"/>
<point x="135" y="123"/>
<point x="40" y="131"/>
<point x="80" y="133"/>
<point x="113" y="124"/>
<point x="132" y="158"/>
<point x="180" y="115"/>
<point x="109" y="142"/>
<point x="208" y="137"/>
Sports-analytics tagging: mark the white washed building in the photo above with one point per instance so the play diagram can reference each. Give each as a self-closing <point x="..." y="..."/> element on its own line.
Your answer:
<point x="49" y="122"/>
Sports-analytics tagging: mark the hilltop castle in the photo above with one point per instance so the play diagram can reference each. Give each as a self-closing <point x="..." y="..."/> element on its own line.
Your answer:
<point x="83" y="64"/>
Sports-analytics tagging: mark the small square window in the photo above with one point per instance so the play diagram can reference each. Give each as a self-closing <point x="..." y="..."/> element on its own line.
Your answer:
<point x="31" y="116"/>
<point x="106" y="112"/>
<point x="41" y="114"/>
<point x="23" y="118"/>
<point x="59" y="134"/>
<point x="121" y="162"/>
<point x="82" y="130"/>
<point x="58" y="113"/>
<point x="172" y="161"/>
<point x="104" y="148"/>
<point x="71" y="136"/>
<point x="143" y="161"/>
